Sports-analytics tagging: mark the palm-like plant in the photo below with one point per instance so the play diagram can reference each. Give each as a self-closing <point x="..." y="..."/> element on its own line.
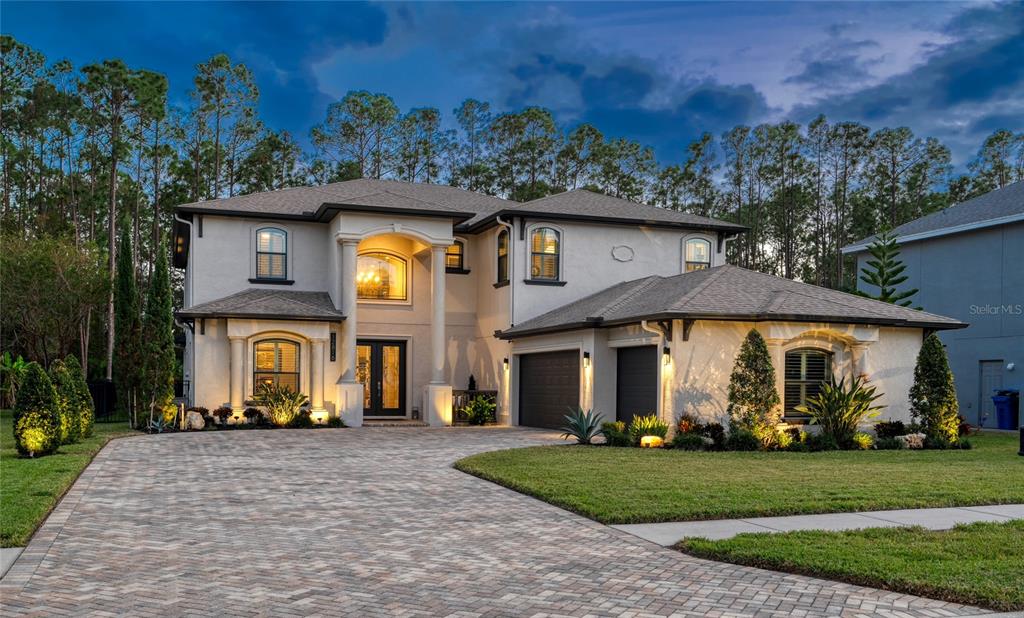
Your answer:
<point x="582" y="425"/>
<point x="282" y="403"/>
<point x="839" y="408"/>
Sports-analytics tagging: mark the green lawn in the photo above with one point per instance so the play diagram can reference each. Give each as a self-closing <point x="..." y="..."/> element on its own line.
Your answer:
<point x="30" y="488"/>
<point x="629" y="485"/>
<point x="978" y="564"/>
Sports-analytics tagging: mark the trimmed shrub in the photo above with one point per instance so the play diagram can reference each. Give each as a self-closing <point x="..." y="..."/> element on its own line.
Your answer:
<point x="281" y="402"/>
<point x="839" y="408"/>
<point x="688" y="424"/>
<point x="890" y="429"/>
<point x="302" y="420"/>
<point x="36" y="416"/>
<point x="615" y="434"/>
<point x="688" y="442"/>
<point x="742" y="440"/>
<point x="862" y="441"/>
<point x="252" y="415"/>
<point x="716" y="432"/>
<point x="335" y="421"/>
<point x="86" y="409"/>
<point x="649" y="425"/>
<point x="753" y="399"/>
<point x="222" y="414"/>
<point x="67" y="404"/>
<point x="821" y="442"/>
<point x="933" y="396"/>
<point x="888" y="444"/>
<point x="480" y="410"/>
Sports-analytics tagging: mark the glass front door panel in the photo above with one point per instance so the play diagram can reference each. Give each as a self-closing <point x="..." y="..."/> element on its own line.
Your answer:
<point x="380" y="368"/>
<point x="364" y="358"/>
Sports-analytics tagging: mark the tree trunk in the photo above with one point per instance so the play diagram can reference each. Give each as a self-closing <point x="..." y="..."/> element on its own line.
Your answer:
<point x="112" y="241"/>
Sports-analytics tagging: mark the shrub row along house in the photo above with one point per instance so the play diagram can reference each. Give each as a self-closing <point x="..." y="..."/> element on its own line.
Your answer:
<point x="377" y="298"/>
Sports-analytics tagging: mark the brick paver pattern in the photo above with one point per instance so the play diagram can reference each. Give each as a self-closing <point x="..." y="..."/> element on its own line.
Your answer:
<point x="369" y="522"/>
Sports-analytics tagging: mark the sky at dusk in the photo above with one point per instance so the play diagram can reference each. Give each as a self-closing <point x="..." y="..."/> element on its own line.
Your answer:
<point x="658" y="73"/>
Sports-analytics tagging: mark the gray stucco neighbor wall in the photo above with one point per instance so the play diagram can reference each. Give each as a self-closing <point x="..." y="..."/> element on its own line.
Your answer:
<point x="976" y="277"/>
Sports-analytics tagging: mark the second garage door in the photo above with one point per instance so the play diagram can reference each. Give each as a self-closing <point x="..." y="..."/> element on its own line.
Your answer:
<point x="549" y="386"/>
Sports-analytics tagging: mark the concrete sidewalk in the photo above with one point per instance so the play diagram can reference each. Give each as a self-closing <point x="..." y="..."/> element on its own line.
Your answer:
<point x="670" y="533"/>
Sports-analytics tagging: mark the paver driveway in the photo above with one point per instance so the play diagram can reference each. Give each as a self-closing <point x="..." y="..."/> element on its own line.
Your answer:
<point x="367" y="522"/>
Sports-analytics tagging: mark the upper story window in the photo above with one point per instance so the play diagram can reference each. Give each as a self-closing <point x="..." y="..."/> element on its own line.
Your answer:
<point x="806" y="369"/>
<point x="271" y="253"/>
<point x="502" y="256"/>
<point x="455" y="257"/>
<point x="381" y="276"/>
<point x="545" y="247"/>
<point x="276" y="363"/>
<point x="698" y="254"/>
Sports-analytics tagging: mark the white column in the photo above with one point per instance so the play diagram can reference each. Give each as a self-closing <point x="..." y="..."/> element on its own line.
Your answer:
<point x="349" y="399"/>
<point x="316" y="387"/>
<point x="437" y="395"/>
<point x="237" y="374"/>
<point x="349" y="307"/>
<point x="438" y="343"/>
<point x="778" y="356"/>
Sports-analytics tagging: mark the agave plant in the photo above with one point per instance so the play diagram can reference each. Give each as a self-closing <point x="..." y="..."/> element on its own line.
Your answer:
<point x="582" y="425"/>
<point x="839" y="408"/>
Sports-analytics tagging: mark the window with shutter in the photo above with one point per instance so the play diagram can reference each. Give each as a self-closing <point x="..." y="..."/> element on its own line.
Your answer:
<point x="804" y="373"/>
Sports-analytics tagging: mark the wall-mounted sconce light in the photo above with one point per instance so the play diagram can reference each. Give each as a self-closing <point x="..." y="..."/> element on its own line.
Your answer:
<point x="504" y="363"/>
<point x="586" y="360"/>
<point x="666" y="355"/>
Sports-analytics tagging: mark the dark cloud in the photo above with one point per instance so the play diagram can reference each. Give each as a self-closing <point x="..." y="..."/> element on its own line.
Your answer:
<point x="838" y="62"/>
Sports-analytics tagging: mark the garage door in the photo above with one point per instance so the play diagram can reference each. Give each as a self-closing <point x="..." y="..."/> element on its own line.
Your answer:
<point x="549" y="385"/>
<point x="636" y="392"/>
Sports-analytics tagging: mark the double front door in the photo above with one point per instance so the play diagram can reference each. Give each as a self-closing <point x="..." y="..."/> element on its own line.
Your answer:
<point x="380" y="367"/>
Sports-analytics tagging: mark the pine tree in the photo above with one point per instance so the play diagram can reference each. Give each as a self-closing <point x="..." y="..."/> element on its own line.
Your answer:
<point x="83" y="398"/>
<point x="158" y="330"/>
<point x="127" y="330"/>
<point x="886" y="271"/>
<point x="36" y="420"/>
<point x="67" y="401"/>
<point x="933" y="400"/>
<point x="753" y="399"/>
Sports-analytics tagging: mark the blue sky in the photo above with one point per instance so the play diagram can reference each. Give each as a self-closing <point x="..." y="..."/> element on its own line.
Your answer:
<point x="660" y="73"/>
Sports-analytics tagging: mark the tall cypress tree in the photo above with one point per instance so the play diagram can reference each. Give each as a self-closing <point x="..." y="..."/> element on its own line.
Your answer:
<point x="933" y="396"/>
<point x="886" y="271"/>
<point x="753" y="398"/>
<point x="158" y="330"/>
<point x="127" y="330"/>
<point x="36" y="414"/>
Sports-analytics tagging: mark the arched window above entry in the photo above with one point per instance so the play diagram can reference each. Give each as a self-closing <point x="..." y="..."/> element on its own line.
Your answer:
<point x="806" y="370"/>
<point x="271" y="253"/>
<point x="381" y="276"/>
<point x="698" y="254"/>
<point x="545" y="252"/>
<point x="276" y="362"/>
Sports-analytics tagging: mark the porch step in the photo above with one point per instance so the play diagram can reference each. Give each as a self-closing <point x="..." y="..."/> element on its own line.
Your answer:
<point x="394" y="423"/>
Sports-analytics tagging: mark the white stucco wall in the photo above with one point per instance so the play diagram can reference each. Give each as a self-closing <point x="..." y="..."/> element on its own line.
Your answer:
<point x="697" y="379"/>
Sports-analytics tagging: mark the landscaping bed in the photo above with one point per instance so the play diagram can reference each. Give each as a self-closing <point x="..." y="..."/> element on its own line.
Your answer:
<point x="977" y="564"/>
<point x="30" y="488"/>
<point x="631" y="485"/>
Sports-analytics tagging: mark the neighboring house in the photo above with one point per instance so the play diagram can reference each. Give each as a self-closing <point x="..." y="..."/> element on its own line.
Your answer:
<point x="967" y="261"/>
<point x="377" y="298"/>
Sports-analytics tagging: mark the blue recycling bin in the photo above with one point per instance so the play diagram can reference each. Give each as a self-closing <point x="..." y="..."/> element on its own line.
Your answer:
<point x="1007" y="402"/>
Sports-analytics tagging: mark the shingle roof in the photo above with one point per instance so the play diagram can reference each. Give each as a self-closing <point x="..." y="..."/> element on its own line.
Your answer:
<point x="475" y="211"/>
<point x="993" y="208"/>
<point x="360" y="194"/>
<point x="724" y="293"/>
<point x="268" y="305"/>
<point x="600" y="207"/>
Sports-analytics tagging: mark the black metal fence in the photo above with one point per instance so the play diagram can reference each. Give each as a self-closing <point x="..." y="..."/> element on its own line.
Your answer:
<point x="104" y="399"/>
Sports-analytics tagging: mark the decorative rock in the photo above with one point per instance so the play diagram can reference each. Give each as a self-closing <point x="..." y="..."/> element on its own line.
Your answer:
<point x="194" y="420"/>
<point x="912" y="440"/>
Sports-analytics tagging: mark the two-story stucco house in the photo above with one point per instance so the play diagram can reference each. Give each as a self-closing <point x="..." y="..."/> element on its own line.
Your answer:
<point x="376" y="298"/>
<point x="967" y="261"/>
